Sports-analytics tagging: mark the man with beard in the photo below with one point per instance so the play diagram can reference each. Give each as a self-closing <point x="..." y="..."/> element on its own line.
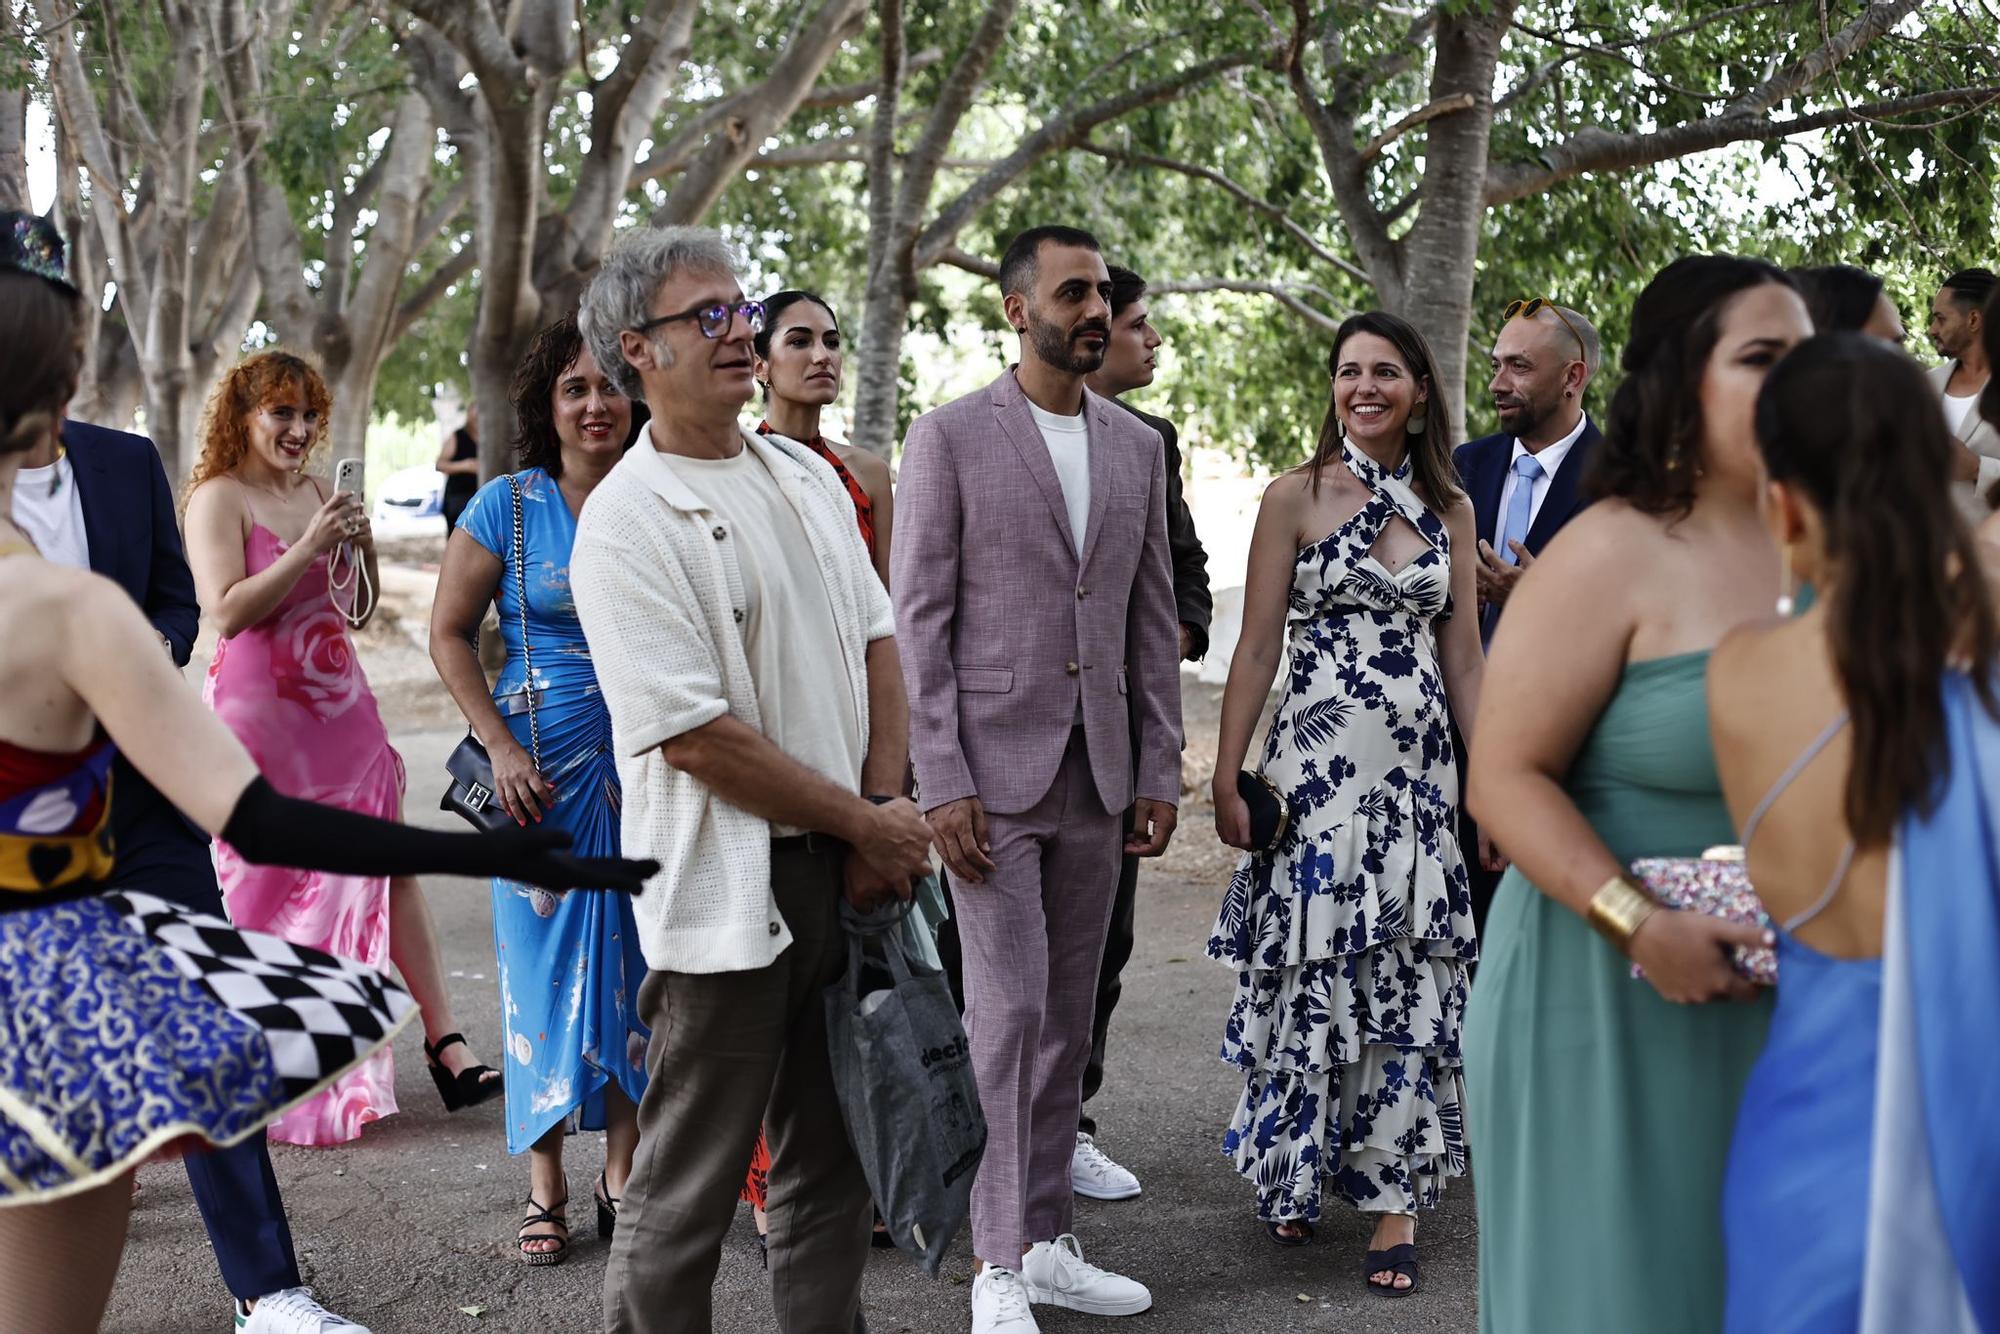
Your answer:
<point x="1955" y="325"/>
<point x="1023" y="745"/>
<point x="1524" y="480"/>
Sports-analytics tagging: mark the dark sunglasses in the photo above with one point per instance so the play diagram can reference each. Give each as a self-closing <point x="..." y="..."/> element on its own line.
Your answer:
<point x="1528" y="309"/>
<point x="713" y="320"/>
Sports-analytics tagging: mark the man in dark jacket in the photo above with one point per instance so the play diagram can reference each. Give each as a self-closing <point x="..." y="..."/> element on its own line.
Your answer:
<point x="1525" y="480"/>
<point x="1130" y="363"/>
<point x="101" y="501"/>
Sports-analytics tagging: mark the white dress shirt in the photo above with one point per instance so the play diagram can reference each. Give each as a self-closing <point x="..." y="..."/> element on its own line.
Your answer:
<point x="1551" y="460"/>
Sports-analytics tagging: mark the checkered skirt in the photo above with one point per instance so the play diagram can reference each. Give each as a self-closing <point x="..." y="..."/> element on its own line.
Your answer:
<point x="129" y="1025"/>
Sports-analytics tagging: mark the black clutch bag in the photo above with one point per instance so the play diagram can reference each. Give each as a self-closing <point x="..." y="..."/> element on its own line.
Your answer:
<point x="471" y="792"/>
<point x="1270" y="814"/>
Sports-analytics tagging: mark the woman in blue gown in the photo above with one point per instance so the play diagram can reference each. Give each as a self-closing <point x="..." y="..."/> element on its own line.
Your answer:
<point x="1859" y="749"/>
<point x="570" y="966"/>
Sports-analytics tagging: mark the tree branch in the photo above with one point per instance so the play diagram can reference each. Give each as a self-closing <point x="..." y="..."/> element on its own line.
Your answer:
<point x="417" y="303"/>
<point x="1066" y="130"/>
<point x="1237" y="192"/>
<point x="1595" y="149"/>
<point x="1878" y="18"/>
<point x="1289" y="295"/>
<point x="1443" y="106"/>
<point x="948" y="109"/>
<point x="848" y="94"/>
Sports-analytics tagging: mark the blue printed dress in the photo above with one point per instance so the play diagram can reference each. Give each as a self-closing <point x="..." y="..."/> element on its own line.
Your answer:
<point x="1352" y="938"/>
<point x="570" y="966"/>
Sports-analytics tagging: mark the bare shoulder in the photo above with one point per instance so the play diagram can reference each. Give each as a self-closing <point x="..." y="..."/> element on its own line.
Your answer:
<point x="1739" y="669"/>
<point x="216" y="496"/>
<point x="1609" y="538"/>
<point x="1461" y="521"/>
<point x="868" y="467"/>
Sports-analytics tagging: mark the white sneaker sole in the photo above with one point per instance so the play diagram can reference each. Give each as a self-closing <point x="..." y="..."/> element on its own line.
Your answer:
<point x="1041" y="1296"/>
<point x="1095" y="1192"/>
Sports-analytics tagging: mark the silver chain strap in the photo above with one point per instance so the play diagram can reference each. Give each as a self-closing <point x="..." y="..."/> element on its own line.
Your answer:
<point x="527" y="653"/>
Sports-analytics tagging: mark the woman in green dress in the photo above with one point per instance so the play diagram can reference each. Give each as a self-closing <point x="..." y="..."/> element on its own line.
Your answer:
<point x="1601" y="1107"/>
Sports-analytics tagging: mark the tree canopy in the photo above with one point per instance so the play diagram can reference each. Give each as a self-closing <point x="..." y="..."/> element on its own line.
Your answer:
<point x="408" y="190"/>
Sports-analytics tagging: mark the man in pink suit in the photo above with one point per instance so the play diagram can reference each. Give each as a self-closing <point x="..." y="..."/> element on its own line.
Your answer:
<point x="1033" y="591"/>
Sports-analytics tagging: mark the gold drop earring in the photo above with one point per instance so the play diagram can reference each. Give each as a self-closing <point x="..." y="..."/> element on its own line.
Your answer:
<point x="1785" y="600"/>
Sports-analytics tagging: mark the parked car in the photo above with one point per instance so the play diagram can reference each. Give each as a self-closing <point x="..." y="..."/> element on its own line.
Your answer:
<point x="411" y="504"/>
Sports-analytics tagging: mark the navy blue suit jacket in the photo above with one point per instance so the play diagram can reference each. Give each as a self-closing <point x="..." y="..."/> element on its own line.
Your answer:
<point x="1482" y="468"/>
<point x="129" y="525"/>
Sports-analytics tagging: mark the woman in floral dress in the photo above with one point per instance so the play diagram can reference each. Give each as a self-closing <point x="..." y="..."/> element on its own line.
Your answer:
<point x="1352" y="936"/>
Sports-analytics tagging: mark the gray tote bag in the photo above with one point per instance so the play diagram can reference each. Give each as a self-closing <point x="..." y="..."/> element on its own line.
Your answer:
<point x="902" y="1070"/>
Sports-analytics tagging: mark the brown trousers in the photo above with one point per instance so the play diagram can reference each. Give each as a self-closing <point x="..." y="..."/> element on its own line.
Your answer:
<point x="731" y="1051"/>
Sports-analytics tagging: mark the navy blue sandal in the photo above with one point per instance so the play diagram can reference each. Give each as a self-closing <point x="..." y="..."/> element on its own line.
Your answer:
<point x="1396" y="1260"/>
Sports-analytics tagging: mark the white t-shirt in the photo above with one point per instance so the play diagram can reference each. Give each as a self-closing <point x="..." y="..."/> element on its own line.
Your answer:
<point x="1956" y="410"/>
<point x="1068" y="439"/>
<point x="48" y="510"/>
<point x="806" y="699"/>
<point x="1551" y="459"/>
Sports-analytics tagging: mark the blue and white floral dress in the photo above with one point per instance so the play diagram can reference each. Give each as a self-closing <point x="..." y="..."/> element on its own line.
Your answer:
<point x="1352" y="938"/>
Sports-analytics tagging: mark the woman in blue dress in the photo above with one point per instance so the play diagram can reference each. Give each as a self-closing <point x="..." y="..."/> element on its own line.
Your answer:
<point x="1859" y="749"/>
<point x="570" y="967"/>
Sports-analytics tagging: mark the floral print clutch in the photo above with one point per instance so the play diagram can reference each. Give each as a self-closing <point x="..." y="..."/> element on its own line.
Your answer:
<point x="1718" y="884"/>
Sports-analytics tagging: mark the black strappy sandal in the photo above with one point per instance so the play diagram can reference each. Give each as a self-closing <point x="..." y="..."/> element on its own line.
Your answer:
<point x="1397" y="1260"/>
<point x="469" y="1087"/>
<point x="1305" y="1231"/>
<point x="521" y="1239"/>
<point x="607" y="1207"/>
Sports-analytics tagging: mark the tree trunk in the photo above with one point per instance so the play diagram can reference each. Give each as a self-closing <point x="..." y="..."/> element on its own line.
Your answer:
<point x="1440" y="250"/>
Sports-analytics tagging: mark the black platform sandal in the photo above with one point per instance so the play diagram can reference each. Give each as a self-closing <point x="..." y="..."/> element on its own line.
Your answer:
<point x="1305" y="1231"/>
<point x="521" y="1239"/>
<point x="1397" y="1260"/>
<point x="607" y="1207"/>
<point x="469" y="1087"/>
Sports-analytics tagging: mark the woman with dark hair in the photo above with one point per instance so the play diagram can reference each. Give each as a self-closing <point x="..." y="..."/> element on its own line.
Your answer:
<point x="1602" y="1105"/>
<point x="570" y="967"/>
<point x="459" y="462"/>
<point x="280" y="563"/>
<point x="1842" y="297"/>
<point x="798" y="365"/>
<point x="132" y="1025"/>
<point x="1352" y="933"/>
<point x="1866" y="783"/>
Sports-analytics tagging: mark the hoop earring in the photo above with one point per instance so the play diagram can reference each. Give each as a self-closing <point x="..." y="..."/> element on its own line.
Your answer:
<point x="1418" y="423"/>
<point x="1785" y="600"/>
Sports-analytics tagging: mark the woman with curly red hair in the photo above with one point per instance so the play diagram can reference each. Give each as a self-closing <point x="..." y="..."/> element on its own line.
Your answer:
<point x="278" y="561"/>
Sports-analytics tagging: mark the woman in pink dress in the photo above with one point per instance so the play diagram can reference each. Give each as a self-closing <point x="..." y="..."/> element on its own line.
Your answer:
<point x="279" y="562"/>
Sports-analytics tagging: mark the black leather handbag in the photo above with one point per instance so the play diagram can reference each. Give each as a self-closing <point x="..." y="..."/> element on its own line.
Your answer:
<point x="471" y="792"/>
<point x="1270" y="813"/>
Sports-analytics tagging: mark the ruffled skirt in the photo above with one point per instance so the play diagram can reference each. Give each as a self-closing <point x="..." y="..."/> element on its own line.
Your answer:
<point x="1352" y="942"/>
<point x="130" y="1026"/>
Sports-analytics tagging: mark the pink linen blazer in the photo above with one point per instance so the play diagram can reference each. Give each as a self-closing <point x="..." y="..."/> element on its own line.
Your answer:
<point x="1003" y="628"/>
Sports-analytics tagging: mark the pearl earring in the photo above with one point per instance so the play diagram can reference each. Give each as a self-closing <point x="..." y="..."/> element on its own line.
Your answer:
<point x="1785" y="600"/>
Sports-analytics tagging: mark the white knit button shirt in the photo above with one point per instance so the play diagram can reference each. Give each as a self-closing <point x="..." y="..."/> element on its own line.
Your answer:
<point x="658" y="590"/>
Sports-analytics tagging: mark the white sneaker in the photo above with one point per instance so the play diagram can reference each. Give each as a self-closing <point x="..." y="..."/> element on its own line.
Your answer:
<point x="1095" y="1176"/>
<point x="1000" y="1304"/>
<point x="1056" y="1274"/>
<point x="293" y="1311"/>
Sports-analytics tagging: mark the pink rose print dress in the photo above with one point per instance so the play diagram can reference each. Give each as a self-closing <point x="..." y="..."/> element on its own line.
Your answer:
<point x="292" y="691"/>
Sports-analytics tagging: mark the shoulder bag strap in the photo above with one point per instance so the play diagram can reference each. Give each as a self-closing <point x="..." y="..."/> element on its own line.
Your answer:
<point x="527" y="653"/>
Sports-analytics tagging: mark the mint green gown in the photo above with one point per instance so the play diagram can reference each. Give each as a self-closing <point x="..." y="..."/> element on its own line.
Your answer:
<point x="1600" y="1115"/>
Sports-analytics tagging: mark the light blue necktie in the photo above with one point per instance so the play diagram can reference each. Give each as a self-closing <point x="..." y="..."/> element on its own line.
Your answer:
<point x="1513" y="528"/>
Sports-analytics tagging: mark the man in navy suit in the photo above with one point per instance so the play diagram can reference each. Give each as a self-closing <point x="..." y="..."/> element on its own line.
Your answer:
<point x="1524" y="480"/>
<point x="101" y="500"/>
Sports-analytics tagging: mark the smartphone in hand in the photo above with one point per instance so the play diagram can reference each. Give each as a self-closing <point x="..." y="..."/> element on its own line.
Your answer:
<point x="347" y="476"/>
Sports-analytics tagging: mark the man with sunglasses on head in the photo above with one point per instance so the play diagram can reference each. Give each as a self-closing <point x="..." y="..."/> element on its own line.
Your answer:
<point x="746" y="652"/>
<point x="1525" y="479"/>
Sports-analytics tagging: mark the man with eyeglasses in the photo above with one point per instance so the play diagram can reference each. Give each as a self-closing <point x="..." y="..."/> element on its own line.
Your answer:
<point x="745" y="649"/>
<point x="1524" y="479"/>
